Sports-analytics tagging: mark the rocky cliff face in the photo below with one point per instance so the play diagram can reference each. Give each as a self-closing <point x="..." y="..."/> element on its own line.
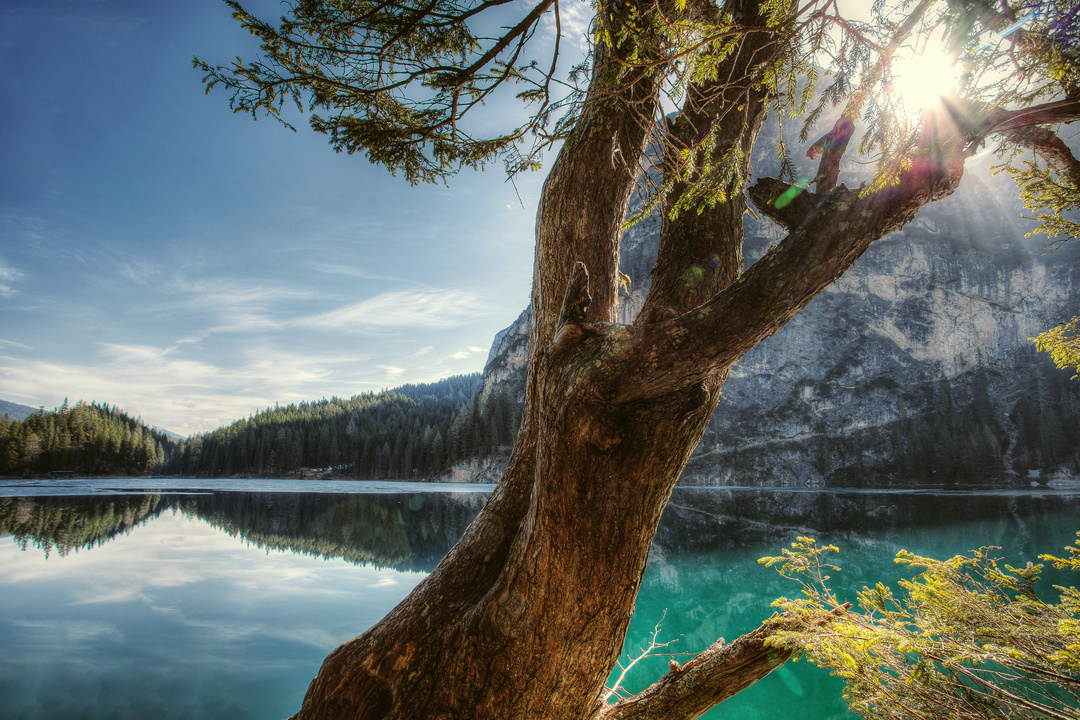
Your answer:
<point x="914" y="367"/>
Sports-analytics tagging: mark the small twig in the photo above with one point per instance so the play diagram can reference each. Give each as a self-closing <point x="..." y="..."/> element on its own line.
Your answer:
<point x="646" y="652"/>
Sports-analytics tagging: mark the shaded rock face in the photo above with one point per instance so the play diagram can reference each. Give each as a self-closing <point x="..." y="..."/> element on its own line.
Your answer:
<point x="914" y="367"/>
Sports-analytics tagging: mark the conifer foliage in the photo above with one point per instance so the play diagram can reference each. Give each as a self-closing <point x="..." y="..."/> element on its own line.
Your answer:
<point x="967" y="637"/>
<point x="412" y="432"/>
<point x="88" y="439"/>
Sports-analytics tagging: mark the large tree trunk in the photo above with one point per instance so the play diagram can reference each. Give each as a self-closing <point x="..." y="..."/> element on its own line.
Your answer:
<point x="525" y="617"/>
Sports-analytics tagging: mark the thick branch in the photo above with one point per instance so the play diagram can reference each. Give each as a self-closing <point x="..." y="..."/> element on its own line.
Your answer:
<point x="827" y="234"/>
<point x="1052" y="113"/>
<point x="672" y="354"/>
<point x="699" y="685"/>
<point x="718" y="673"/>
<point x="701" y="251"/>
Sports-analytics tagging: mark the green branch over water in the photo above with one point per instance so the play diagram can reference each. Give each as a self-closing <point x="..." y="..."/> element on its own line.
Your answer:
<point x="967" y="637"/>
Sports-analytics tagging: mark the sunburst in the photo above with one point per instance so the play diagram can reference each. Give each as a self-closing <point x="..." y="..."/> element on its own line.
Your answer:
<point x="921" y="80"/>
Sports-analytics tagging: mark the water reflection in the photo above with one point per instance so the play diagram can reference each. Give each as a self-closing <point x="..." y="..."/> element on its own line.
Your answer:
<point x="408" y="532"/>
<point x="222" y="605"/>
<point x="412" y="531"/>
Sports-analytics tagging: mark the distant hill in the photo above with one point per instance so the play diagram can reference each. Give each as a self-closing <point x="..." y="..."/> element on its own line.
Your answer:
<point x="15" y="411"/>
<point x="175" y="437"/>
<point x="87" y="439"/>
<point x="412" y="432"/>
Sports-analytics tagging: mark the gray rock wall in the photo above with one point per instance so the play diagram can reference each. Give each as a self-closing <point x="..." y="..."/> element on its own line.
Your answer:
<point x="914" y="367"/>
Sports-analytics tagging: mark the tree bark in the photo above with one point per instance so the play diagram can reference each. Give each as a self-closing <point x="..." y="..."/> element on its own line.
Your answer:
<point x="525" y="617"/>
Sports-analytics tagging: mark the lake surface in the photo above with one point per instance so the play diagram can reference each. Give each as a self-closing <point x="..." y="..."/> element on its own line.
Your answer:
<point x="157" y="598"/>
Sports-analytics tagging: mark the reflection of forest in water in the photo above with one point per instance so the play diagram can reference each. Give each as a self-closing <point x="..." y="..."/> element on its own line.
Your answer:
<point x="413" y="531"/>
<point x="404" y="532"/>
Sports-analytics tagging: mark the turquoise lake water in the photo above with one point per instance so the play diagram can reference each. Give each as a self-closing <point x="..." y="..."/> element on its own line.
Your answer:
<point x="126" y="602"/>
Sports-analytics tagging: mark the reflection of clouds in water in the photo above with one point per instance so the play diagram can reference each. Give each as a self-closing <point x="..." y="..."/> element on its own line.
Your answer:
<point x="67" y="633"/>
<point x="176" y="620"/>
<point x="177" y="550"/>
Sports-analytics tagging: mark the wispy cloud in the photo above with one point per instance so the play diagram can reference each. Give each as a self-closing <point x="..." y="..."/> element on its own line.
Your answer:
<point x="180" y="393"/>
<point x="348" y="271"/>
<point x="139" y="273"/>
<point x="574" y="19"/>
<point x="402" y="309"/>
<point x="8" y="276"/>
<point x="41" y="238"/>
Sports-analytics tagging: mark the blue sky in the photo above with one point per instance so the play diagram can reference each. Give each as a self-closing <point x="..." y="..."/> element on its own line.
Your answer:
<point x="192" y="266"/>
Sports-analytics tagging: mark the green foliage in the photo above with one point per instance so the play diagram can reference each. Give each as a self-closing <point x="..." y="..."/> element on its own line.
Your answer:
<point x="410" y="432"/>
<point x="1054" y="196"/>
<point x="1063" y="344"/>
<point x="88" y="439"/>
<point x="397" y="80"/>
<point x="967" y="637"/>
<point x="403" y="81"/>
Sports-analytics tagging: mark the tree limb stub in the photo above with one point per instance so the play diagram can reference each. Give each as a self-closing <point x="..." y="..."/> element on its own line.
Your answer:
<point x="787" y="205"/>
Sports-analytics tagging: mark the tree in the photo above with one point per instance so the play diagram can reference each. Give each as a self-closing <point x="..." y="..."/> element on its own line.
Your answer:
<point x="525" y="616"/>
<point x="966" y="637"/>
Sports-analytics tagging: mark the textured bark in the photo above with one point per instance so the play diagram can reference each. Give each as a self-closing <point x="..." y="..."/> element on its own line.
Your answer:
<point x="525" y="617"/>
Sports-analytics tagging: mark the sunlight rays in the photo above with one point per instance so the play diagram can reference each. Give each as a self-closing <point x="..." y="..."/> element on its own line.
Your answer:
<point x="923" y="79"/>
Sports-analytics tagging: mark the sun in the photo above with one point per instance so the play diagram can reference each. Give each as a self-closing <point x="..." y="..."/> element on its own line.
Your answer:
<point x="921" y="80"/>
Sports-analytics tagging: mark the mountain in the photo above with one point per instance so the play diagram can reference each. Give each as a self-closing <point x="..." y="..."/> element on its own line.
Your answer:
<point x="914" y="367"/>
<point x="16" y="412"/>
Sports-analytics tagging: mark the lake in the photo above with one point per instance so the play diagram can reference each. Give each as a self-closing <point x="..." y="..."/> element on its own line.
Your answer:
<point x="219" y="599"/>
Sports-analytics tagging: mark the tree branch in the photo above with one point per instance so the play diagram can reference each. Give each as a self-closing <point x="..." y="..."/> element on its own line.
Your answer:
<point x="1050" y="148"/>
<point x="1005" y="121"/>
<point x="710" y="678"/>
<point x="700" y="251"/>
<point x="721" y="671"/>
<point x="828" y="235"/>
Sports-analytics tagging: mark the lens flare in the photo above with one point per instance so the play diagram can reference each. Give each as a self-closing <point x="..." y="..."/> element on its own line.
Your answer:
<point x="921" y="80"/>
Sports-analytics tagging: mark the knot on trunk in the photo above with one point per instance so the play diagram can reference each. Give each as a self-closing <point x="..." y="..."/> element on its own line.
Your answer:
<point x="577" y="299"/>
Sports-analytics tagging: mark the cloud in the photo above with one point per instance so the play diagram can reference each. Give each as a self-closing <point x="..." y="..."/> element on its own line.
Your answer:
<point x="403" y="309"/>
<point x="574" y="19"/>
<point x="8" y="276"/>
<point x="139" y="273"/>
<point x="187" y="394"/>
<point x="462" y="354"/>
<point x="347" y="271"/>
<point x="392" y="373"/>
